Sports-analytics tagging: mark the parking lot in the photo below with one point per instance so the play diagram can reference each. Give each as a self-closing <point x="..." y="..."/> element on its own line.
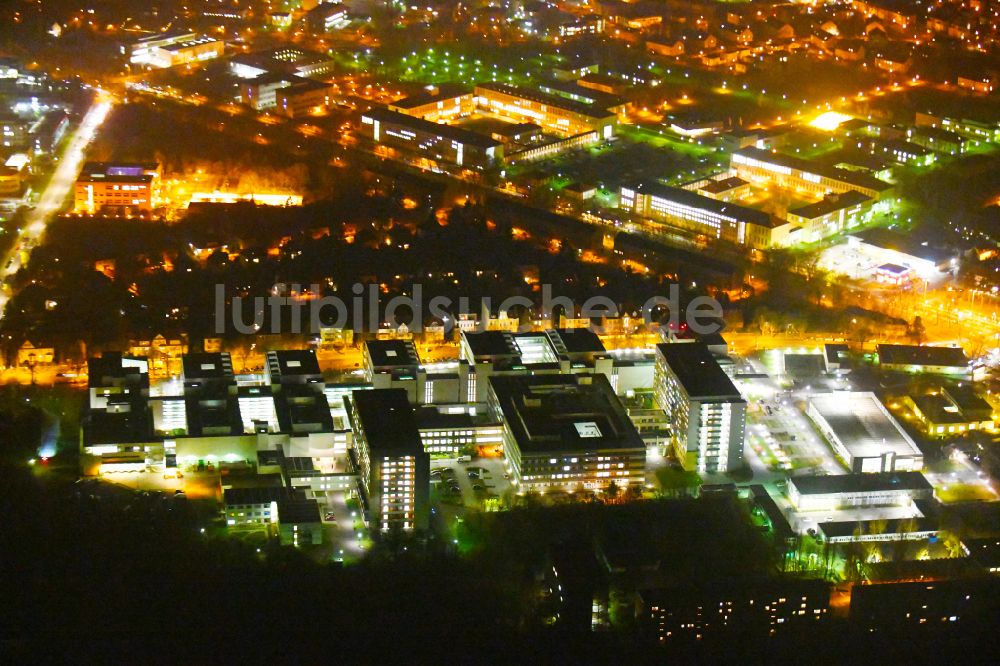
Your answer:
<point x="470" y="484"/>
<point x="779" y="434"/>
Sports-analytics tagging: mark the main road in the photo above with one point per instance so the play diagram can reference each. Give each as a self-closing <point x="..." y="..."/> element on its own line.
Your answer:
<point x="53" y="198"/>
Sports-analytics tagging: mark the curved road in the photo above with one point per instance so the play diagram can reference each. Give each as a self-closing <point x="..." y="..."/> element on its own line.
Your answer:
<point x="54" y="196"/>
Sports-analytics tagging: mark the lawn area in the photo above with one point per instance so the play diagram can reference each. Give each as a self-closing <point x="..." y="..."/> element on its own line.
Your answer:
<point x="628" y="163"/>
<point x="662" y="139"/>
<point x="809" y="144"/>
<point x="675" y="479"/>
<point x="964" y="492"/>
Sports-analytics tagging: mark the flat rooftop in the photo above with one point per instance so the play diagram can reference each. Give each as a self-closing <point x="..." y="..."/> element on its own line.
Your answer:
<point x="902" y="146"/>
<point x="166" y="36"/>
<point x="431" y="417"/>
<point x="388" y="421"/>
<point x="435" y="94"/>
<point x="857" y="159"/>
<point x="111" y="368"/>
<point x="303" y="86"/>
<point x="207" y="366"/>
<point x="830" y="204"/>
<point x="779" y="523"/>
<point x="564" y="413"/>
<point x="292" y="362"/>
<point x="588" y="95"/>
<point x="214" y="412"/>
<point x="136" y="425"/>
<point x="863" y="425"/>
<point x="575" y="341"/>
<point x="189" y="43"/>
<point x="722" y="185"/>
<point x="834" y="352"/>
<point x="861" y="483"/>
<point x="938" y="409"/>
<point x="392" y="353"/>
<point x="698" y="371"/>
<point x="938" y="134"/>
<point x="300" y="408"/>
<point x="965" y="397"/>
<point x="119" y="168"/>
<point x="491" y="343"/>
<point x="298" y="511"/>
<point x="922" y="355"/>
<point x="920" y="243"/>
<point x="258" y="495"/>
<point x="588" y="110"/>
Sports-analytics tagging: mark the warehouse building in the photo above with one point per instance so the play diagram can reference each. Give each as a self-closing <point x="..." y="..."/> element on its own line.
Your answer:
<point x="863" y="433"/>
<point x="853" y="491"/>
<point x="921" y="358"/>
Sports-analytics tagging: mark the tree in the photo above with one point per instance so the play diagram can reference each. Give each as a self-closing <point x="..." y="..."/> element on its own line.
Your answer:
<point x="916" y="332"/>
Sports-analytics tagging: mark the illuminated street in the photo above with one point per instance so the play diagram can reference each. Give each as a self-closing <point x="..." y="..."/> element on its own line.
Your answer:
<point x="53" y="198"/>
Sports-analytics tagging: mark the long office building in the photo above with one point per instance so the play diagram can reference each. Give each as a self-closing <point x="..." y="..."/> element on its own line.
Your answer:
<point x="437" y="103"/>
<point x="431" y="140"/>
<point x="680" y="614"/>
<point x="924" y="358"/>
<point x="719" y="220"/>
<point x="550" y="112"/>
<point x="170" y="49"/>
<point x="564" y="432"/>
<point x="390" y="457"/>
<point x="705" y="407"/>
<point x="756" y="165"/>
<point x="976" y="129"/>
